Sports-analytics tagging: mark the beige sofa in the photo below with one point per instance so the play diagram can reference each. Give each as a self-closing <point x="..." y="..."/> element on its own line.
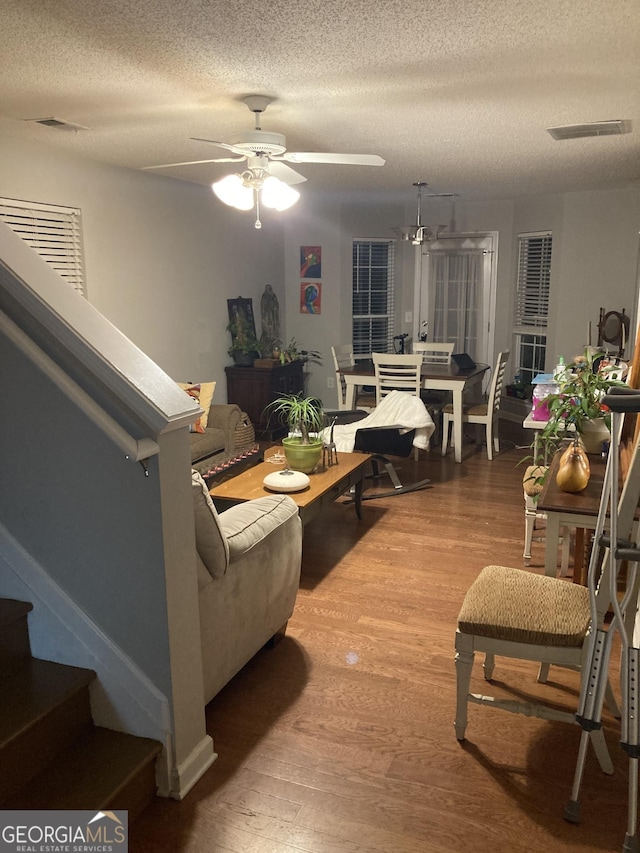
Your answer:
<point x="248" y="562"/>
<point x="219" y="436"/>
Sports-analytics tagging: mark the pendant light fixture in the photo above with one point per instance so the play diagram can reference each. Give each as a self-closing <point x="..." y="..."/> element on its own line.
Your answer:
<point x="418" y="234"/>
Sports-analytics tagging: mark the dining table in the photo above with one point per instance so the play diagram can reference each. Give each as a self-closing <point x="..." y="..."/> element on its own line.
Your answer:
<point x="435" y="377"/>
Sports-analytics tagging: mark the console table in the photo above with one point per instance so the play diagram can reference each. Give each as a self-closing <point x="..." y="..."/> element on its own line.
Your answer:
<point x="253" y="388"/>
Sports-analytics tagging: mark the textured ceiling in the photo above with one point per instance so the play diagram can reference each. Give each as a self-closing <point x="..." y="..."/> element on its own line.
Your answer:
<point x="455" y="93"/>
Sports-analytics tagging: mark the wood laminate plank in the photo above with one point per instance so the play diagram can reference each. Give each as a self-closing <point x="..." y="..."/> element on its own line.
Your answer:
<point x="341" y="739"/>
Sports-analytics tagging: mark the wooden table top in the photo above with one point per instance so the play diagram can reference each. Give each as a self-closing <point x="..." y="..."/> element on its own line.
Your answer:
<point x="428" y="371"/>
<point x="586" y="502"/>
<point x="248" y="485"/>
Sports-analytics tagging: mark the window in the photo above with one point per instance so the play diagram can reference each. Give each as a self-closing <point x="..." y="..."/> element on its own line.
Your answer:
<point x="55" y="233"/>
<point x="372" y="296"/>
<point x="532" y="304"/>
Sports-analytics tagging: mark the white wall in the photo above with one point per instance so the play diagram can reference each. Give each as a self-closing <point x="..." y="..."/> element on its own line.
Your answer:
<point x="162" y="256"/>
<point x="594" y="264"/>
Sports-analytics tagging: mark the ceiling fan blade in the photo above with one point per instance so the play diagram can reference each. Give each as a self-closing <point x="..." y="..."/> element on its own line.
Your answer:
<point x="194" y="163"/>
<point x="234" y="148"/>
<point x="285" y="173"/>
<point x="338" y="159"/>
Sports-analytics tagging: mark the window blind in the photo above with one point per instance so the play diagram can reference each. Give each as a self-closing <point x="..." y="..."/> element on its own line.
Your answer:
<point x="534" y="273"/>
<point x="373" y="296"/>
<point x="532" y="304"/>
<point x="55" y="233"/>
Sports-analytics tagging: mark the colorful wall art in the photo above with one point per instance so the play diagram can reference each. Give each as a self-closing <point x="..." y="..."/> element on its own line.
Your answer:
<point x="310" y="262"/>
<point x="310" y="297"/>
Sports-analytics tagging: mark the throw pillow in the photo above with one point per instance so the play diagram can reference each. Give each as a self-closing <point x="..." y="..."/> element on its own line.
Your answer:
<point x="203" y="393"/>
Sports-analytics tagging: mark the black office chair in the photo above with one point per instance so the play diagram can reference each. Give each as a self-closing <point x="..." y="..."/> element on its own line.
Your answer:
<point x="381" y="442"/>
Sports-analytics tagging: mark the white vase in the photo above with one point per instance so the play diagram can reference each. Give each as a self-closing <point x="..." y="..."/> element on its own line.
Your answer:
<point x="593" y="433"/>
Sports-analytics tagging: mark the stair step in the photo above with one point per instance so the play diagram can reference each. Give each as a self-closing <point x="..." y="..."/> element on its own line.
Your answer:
<point x="14" y="634"/>
<point x="103" y="770"/>
<point x="45" y="707"/>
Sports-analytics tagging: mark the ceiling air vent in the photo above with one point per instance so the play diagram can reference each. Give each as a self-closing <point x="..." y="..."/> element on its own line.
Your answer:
<point x="58" y="123"/>
<point x="594" y="128"/>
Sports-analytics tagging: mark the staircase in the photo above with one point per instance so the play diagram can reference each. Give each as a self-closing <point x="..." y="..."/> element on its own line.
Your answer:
<point x="52" y="756"/>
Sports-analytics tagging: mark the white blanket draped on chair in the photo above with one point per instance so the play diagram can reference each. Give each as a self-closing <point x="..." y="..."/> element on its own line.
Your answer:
<point x="396" y="409"/>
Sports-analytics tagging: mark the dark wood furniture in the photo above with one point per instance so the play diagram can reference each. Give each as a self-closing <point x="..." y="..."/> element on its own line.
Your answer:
<point x="579" y="510"/>
<point x="253" y="388"/>
<point x="326" y="484"/>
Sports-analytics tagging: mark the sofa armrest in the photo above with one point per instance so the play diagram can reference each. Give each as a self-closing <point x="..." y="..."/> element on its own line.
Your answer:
<point x="248" y="524"/>
<point x="225" y="416"/>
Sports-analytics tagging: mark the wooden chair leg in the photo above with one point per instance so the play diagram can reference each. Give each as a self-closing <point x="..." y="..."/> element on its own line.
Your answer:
<point x="529" y="525"/>
<point x="446" y="427"/>
<point x="464" y="665"/>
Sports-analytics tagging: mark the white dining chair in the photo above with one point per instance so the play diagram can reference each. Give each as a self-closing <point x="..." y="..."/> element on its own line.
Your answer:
<point x="396" y="372"/>
<point x="485" y="413"/>
<point x="343" y="356"/>
<point x="434" y="353"/>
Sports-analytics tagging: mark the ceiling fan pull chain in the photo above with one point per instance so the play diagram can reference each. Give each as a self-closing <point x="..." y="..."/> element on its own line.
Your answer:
<point x="258" y="223"/>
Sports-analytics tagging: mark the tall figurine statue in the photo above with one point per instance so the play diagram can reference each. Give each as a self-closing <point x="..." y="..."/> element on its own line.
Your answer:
<point x="270" y="318"/>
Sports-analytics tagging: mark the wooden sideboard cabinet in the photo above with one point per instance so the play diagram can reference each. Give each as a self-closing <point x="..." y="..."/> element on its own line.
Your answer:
<point x="253" y="388"/>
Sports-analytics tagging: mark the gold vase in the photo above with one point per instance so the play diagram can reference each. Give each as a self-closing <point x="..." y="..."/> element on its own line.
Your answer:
<point x="573" y="469"/>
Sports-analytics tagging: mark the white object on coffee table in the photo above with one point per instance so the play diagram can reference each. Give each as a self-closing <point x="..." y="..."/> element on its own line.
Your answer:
<point x="286" y="481"/>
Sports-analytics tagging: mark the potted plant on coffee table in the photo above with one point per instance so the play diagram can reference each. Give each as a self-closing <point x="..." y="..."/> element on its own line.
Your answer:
<point x="305" y="419"/>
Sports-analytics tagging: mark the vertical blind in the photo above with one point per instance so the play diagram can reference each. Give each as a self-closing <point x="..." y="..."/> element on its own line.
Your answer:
<point x="534" y="273"/>
<point x="55" y="233"/>
<point x="373" y="296"/>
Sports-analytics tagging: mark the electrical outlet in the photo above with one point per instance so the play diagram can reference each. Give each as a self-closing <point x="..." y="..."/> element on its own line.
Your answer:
<point x="408" y="317"/>
<point x="330" y="382"/>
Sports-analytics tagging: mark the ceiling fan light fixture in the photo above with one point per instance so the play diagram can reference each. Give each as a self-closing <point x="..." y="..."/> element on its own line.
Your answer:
<point x="278" y="195"/>
<point x="233" y="191"/>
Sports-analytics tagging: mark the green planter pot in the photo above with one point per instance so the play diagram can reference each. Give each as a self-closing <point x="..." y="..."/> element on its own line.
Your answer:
<point x="302" y="457"/>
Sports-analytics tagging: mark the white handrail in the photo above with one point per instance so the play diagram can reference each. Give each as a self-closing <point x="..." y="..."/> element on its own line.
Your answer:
<point x="134" y="449"/>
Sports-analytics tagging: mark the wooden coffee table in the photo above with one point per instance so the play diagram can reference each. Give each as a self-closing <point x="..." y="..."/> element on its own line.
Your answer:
<point x="327" y="484"/>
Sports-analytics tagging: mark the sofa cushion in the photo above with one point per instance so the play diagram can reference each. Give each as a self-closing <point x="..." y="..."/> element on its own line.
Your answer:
<point x="203" y="393"/>
<point x="247" y="524"/>
<point x="207" y="443"/>
<point x="210" y="542"/>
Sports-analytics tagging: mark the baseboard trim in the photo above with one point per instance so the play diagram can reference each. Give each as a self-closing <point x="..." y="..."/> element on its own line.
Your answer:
<point x="185" y="775"/>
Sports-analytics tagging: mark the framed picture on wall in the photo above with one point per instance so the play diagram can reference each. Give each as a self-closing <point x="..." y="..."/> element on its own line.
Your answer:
<point x="310" y="297"/>
<point x="310" y="262"/>
<point x="241" y="320"/>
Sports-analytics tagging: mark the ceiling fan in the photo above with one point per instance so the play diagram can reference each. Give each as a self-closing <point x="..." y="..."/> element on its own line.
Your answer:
<point x="267" y="170"/>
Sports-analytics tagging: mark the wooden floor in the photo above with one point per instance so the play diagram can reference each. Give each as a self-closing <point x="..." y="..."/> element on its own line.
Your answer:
<point x="340" y="740"/>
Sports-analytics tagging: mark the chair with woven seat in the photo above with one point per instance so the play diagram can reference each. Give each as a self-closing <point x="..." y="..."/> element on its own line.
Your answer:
<point x="515" y="613"/>
<point x="485" y="413"/>
<point x="343" y="356"/>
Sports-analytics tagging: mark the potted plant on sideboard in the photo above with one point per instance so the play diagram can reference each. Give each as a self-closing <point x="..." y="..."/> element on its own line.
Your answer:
<point x="245" y="347"/>
<point x="577" y="407"/>
<point x="305" y="419"/>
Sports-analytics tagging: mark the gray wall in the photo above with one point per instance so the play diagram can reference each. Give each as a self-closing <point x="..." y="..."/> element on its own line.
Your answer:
<point x="594" y="264"/>
<point x="162" y="256"/>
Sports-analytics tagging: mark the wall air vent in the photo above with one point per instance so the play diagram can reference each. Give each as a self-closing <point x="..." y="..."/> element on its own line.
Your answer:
<point x="594" y="128"/>
<point x="58" y="123"/>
